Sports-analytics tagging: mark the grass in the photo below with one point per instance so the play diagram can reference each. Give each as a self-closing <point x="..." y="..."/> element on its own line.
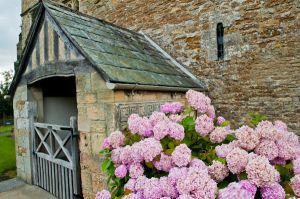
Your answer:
<point x="8" y="157"/>
<point x="6" y="129"/>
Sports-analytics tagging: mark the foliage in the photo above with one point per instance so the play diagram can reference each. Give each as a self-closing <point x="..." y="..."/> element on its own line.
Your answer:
<point x="226" y="160"/>
<point x="6" y="129"/>
<point x="5" y="103"/>
<point x="7" y="154"/>
<point x="256" y="118"/>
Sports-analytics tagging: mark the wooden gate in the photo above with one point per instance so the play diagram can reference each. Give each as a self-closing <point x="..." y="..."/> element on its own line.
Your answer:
<point x="56" y="159"/>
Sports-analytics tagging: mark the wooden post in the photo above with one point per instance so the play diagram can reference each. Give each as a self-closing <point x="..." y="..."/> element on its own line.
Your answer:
<point x="75" y="158"/>
<point x="33" y="155"/>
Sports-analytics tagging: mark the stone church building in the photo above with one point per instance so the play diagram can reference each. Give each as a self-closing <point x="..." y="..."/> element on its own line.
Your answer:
<point x="244" y="53"/>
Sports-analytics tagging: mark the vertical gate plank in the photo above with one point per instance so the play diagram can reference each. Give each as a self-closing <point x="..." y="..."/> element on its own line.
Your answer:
<point x="53" y="179"/>
<point x="41" y="170"/>
<point x="50" y="177"/>
<point x="70" y="183"/>
<point x="75" y="157"/>
<point x="67" y="183"/>
<point x="60" y="182"/>
<point x="47" y="175"/>
<point x="38" y="170"/>
<point x="63" y="182"/>
<point x="44" y="174"/>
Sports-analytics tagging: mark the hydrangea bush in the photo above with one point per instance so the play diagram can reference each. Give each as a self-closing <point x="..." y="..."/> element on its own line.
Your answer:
<point x="188" y="152"/>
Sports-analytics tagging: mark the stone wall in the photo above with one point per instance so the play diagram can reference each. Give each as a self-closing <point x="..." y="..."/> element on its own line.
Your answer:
<point x="97" y="108"/>
<point x="260" y="71"/>
<point x="24" y="111"/>
<point x="262" y="61"/>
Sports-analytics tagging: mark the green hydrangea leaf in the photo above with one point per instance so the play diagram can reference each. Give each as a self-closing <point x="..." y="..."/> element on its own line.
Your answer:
<point x="106" y="164"/>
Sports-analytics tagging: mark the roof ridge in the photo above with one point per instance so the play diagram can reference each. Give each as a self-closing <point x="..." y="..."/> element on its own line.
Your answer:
<point x="89" y="16"/>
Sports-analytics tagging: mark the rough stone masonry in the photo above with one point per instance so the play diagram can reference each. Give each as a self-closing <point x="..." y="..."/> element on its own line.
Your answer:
<point x="261" y="66"/>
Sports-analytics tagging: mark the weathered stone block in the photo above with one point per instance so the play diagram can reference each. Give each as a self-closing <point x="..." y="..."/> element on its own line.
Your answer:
<point x="96" y="142"/>
<point x="99" y="182"/>
<point x="86" y="180"/>
<point x="98" y="84"/>
<point x="23" y="124"/>
<point x="95" y="112"/>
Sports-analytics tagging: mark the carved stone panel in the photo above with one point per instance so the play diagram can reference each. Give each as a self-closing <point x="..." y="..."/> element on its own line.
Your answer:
<point x="123" y="111"/>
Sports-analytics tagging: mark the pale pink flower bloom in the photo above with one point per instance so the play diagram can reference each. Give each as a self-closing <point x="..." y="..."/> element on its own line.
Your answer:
<point x="260" y="172"/>
<point x="295" y="184"/>
<point x="204" y="125"/>
<point x="164" y="164"/>
<point x="267" y="148"/>
<point x="136" y="170"/>
<point x="182" y="155"/>
<point x="218" y="171"/>
<point x="116" y="139"/>
<point x="237" y="160"/>
<point x="103" y="195"/>
<point x="247" y="138"/>
<point x="218" y="135"/>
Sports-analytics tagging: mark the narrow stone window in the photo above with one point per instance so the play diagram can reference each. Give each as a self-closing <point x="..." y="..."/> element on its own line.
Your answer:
<point x="220" y="41"/>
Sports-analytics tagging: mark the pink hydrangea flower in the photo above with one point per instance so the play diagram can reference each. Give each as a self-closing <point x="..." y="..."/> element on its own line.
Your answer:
<point x="286" y="150"/>
<point x="218" y="171"/>
<point x="157" y="117"/>
<point x="136" y="152"/>
<point x="136" y="170"/>
<point x="211" y="112"/>
<point x="218" y="135"/>
<point x="267" y="148"/>
<point x="198" y="184"/>
<point x="164" y="164"/>
<point x="223" y="150"/>
<point x="185" y="196"/>
<point x="171" y="107"/>
<point x="176" y="118"/>
<point x="130" y="185"/>
<point x="266" y="130"/>
<point x="278" y="161"/>
<point x="220" y="120"/>
<point x="116" y="155"/>
<point x="280" y="125"/>
<point x="260" y="172"/>
<point x="168" y="188"/>
<point x="103" y="195"/>
<point x="199" y="164"/>
<point x="150" y="148"/>
<point x="181" y="156"/>
<point x="152" y="190"/>
<point x="125" y="155"/>
<point x="176" y="173"/>
<point x="134" y="123"/>
<point x="237" y="160"/>
<point x="295" y="184"/>
<point x="274" y="191"/>
<point x="106" y="144"/>
<point x="132" y="196"/>
<point x="296" y="166"/>
<point x="243" y="189"/>
<point x="116" y="139"/>
<point x="140" y="183"/>
<point x="121" y="171"/>
<point x="140" y="125"/>
<point x="198" y="101"/>
<point x="161" y="129"/>
<point x="247" y="138"/>
<point x="204" y="125"/>
<point x="168" y="128"/>
<point x="176" y="131"/>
